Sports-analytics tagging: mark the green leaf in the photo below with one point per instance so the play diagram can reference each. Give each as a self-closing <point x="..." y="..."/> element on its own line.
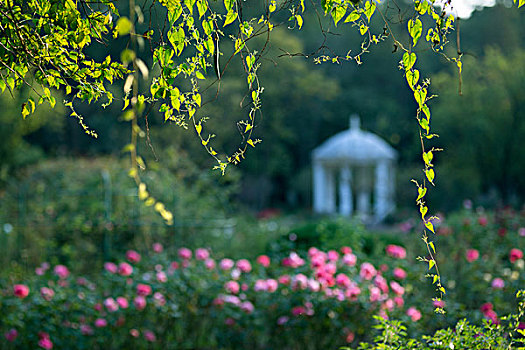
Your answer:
<point x="250" y="60"/>
<point x="431" y="264"/>
<point x="199" y="75"/>
<point x="230" y="17"/>
<point x="423" y="210"/>
<point x="421" y="191"/>
<point x="370" y="7"/>
<point x="412" y="77"/>
<point x="123" y="26"/>
<point x="25" y="111"/>
<point x="352" y="17"/>
<point x="228" y="4"/>
<point x="409" y="59"/>
<point x="202" y="6"/>
<point x="431" y="244"/>
<point x="363" y="29"/>
<point x="338" y="13"/>
<point x="299" y="21"/>
<point x="272" y="6"/>
<point x="197" y="99"/>
<point x="435" y="279"/>
<point x="429" y="226"/>
<point x="427" y="157"/>
<point x="420" y="95"/>
<point x="521" y="3"/>
<point x="430" y="175"/>
<point x="415" y="28"/>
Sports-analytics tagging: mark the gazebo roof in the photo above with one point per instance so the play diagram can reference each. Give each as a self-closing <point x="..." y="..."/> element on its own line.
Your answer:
<point x="354" y="145"/>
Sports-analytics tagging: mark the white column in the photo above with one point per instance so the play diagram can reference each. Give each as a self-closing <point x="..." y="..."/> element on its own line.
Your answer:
<point x="345" y="191"/>
<point x="382" y="189"/>
<point x="330" y="200"/>
<point x="363" y="191"/>
<point x="319" y="184"/>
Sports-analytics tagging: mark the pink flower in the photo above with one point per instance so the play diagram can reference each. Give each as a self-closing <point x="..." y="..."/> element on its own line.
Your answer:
<point x="247" y="307"/>
<point x="314" y="285"/>
<point x="11" y="335"/>
<point x="101" y="322"/>
<point x="111" y="304"/>
<point x="125" y="269"/>
<point x="399" y="273"/>
<point x="346" y="250"/>
<point x="139" y="302"/>
<point x="367" y="271"/>
<point x="482" y="220"/>
<point x="161" y="277"/>
<point x="134" y="333"/>
<point x="389" y="304"/>
<point x="439" y="303"/>
<point x="45" y="343"/>
<point x="492" y="316"/>
<point x="498" y="283"/>
<point x="396" y="251"/>
<point x="185" y="253"/>
<point x="232" y="287"/>
<point x="375" y="293"/>
<point x="229" y="321"/>
<point x="271" y="285"/>
<point x="209" y="263"/>
<point x="472" y="255"/>
<point x="521" y="231"/>
<point x="330" y="268"/>
<point x="342" y="280"/>
<point x="61" y="271"/>
<point x="293" y="261"/>
<point x="350" y="336"/>
<point x="263" y="260"/>
<point x="110" y="267"/>
<point x="349" y="259"/>
<point x="282" y="320"/>
<point x="284" y="279"/>
<point x="21" y="290"/>
<point x="486" y="307"/>
<point x="352" y="292"/>
<point x="86" y="329"/>
<point x="414" y="314"/>
<point x="143" y="289"/>
<point x="122" y="302"/>
<point x="157" y="248"/>
<point x="300" y="281"/>
<point x="515" y="254"/>
<point x="298" y="310"/>
<point x="150" y="336"/>
<point x="333" y="255"/>
<point x="399" y="301"/>
<point x="202" y="254"/>
<point x="397" y="288"/>
<point x="132" y="256"/>
<point x="244" y="265"/>
<point x="380" y="283"/>
<point x="226" y="264"/>
<point x="47" y="293"/>
<point x="159" y="298"/>
<point x="260" y="286"/>
<point x="39" y="271"/>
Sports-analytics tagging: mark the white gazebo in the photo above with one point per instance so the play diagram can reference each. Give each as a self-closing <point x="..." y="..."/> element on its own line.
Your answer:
<point x="354" y="161"/>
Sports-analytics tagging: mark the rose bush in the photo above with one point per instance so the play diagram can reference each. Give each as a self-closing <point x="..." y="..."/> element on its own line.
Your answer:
<point x="156" y="301"/>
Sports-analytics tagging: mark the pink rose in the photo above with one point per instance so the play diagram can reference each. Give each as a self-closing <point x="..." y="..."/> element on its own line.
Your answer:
<point x="515" y="254"/>
<point x="397" y="288"/>
<point x="367" y="271"/>
<point x="244" y="265"/>
<point x="396" y="251"/>
<point x="132" y="256"/>
<point x="209" y="263"/>
<point x="111" y="304"/>
<point x="143" y="289"/>
<point x="263" y="260"/>
<point x="110" y="267"/>
<point x="150" y="336"/>
<point x="498" y="283"/>
<point x="486" y="307"/>
<point x="346" y="250"/>
<point x="439" y="303"/>
<point x="86" y="329"/>
<point x="380" y="282"/>
<point x="134" y="333"/>
<point x="125" y="269"/>
<point x="157" y="248"/>
<point x="159" y="298"/>
<point x="352" y="292"/>
<point x="47" y="293"/>
<point x="260" y="286"/>
<point x="11" y="335"/>
<point x="414" y="314"/>
<point x="45" y="343"/>
<point x="247" y="307"/>
<point x="399" y="273"/>
<point x="185" y="253"/>
<point x="61" y="271"/>
<point x="201" y="254"/>
<point x="472" y="255"/>
<point x="226" y="264"/>
<point x="399" y="301"/>
<point x="350" y="336"/>
<point x="282" y="320"/>
<point x="342" y="280"/>
<point x="122" y="302"/>
<point x="21" y="290"/>
<point x="300" y="281"/>
<point x="375" y="293"/>
<point x="284" y="279"/>
<point x="298" y="310"/>
<point x="101" y="322"/>
<point x="232" y="287"/>
<point x="482" y="220"/>
<point x="492" y="316"/>
<point x="349" y="259"/>
<point x="271" y="285"/>
<point x="161" y="277"/>
<point x="139" y="302"/>
<point x="333" y="255"/>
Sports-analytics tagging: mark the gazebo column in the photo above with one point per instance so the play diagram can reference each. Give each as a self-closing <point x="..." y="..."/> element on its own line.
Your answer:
<point x="345" y="191"/>
<point x="382" y="190"/>
<point x="363" y="195"/>
<point x="329" y="199"/>
<point x="319" y="187"/>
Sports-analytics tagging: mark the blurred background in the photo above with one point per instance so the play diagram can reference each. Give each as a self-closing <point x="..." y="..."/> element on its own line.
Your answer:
<point x="66" y="197"/>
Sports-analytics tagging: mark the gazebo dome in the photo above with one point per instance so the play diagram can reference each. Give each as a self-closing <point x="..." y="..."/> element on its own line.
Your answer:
<point x="354" y="145"/>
